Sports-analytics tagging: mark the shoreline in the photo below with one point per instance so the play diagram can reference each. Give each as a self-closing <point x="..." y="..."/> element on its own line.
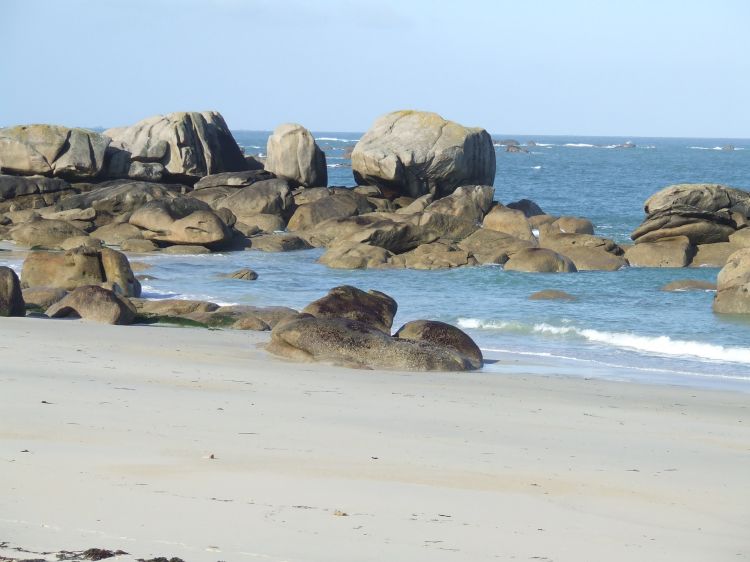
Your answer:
<point x="438" y="466"/>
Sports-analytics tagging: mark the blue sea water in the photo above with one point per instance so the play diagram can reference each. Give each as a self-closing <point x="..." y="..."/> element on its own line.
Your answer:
<point x="622" y="325"/>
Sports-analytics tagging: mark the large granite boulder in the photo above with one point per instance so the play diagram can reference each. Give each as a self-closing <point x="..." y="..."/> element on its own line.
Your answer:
<point x="509" y="221"/>
<point x="705" y="213"/>
<point x="42" y="297"/>
<point x="489" y="246"/>
<point x="51" y="150"/>
<point x="11" y="298"/>
<point x="354" y="255"/>
<point x="540" y="260"/>
<point x="665" y="252"/>
<point x="355" y="344"/>
<point x="267" y="197"/>
<point x="338" y="203"/>
<point x="278" y="242"/>
<point x="78" y="267"/>
<point x="373" y="308"/>
<point x="181" y="146"/>
<point x="182" y="220"/>
<point x="445" y="335"/>
<point x="95" y="304"/>
<point x="44" y="233"/>
<point x="31" y="192"/>
<point x="436" y="255"/>
<point x="415" y="152"/>
<point x="293" y="154"/>
<point x="586" y="251"/>
<point x="470" y="202"/>
<point x="733" y="285"/>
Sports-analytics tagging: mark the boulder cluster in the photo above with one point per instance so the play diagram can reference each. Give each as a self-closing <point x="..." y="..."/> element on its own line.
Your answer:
<point x="179" y="183"/>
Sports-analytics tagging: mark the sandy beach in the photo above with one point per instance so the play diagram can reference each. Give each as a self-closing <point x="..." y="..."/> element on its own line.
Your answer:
<point x="198" y="444"/>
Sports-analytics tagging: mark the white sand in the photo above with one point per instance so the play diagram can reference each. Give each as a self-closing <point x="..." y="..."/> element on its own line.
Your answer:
<point x="427" y="466"/>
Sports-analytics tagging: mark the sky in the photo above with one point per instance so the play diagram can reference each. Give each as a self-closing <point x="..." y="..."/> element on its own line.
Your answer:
<point x="677" y="68"/>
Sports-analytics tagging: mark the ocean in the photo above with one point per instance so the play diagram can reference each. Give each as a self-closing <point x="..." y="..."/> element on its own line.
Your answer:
<point x="622" y="326"/>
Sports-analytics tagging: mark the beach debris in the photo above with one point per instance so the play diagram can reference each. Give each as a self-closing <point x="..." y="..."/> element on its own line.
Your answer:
<point x="340" y="513"/>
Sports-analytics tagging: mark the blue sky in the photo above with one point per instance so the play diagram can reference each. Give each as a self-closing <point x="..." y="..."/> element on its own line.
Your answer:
<point x="632" y="68"/>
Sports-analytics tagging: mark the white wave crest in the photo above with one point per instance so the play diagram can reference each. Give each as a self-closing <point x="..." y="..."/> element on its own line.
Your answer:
<point x="660" y="345"/>
<point x="579" y="145"/>
<point x="536" y="167"/>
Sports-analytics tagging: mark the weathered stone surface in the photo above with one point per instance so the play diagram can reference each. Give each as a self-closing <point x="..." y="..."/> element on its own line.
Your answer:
<point x="586" y="251"/>
<point x="138" y="246"/>
<point x="254" y="224"/>
<point x="490" y="246"/>
<point x="436" y="255"/>
<point x="373" y="308"/>
<point x="355" y="344"/>
<point x="689" y="285"/>
<point x="79" y="267"/>
<point x="95" y="304"/>
<point x="21" y="192"/>
<point x="540" y="260"/>
<point x="713" y="255"/>
<point x="438" y="225"/>
<point x="281" y="242"/>
<point x="293" y="154"/>
<point x="705" y="213"/>
<point x="551" y="294"/>
<point x="354" y="255"/>
<point x="509" y="221"/>
<point x="271" y="197"/>
<point x="234" y="180"/>
<point x="51" y="150"/>
<point x="443" y="335"/>
<point x="470" y="202"/>
<point x="189" y="145"/>
<point x="415" y="152"/>
<point x="410" y="206"/>
<point x="172" y="307"/>
<point x="121" y="196"/>
<point x="180" y="221"/>
<point x="338" y="204"/>
<point x="575" y="225"/>
<point x="116" y="233"/>
<point x="666" y="252"/>
<point x="78" y="241"/>
<point x="271" y="315"/>
<point x="242" y="274"/>
<point x="395" y="233"/>
<point x="11" y="298"/>
<point x="733" y="285"/>
<point x="44" y="233"/>
<point x="70" y="215"/>
<point x="43" y="297"/>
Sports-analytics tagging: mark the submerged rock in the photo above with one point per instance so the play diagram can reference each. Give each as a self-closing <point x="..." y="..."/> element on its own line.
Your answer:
<point x="689" y="285"/>
<point x="415" y="152"/>
<point x="551" y="294"/>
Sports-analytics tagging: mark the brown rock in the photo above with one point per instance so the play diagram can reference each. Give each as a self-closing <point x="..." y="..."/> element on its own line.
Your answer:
<point x="43" y="297"/>
<point x="11" y="298"/>
<point x="509" y="221"/>
<point x="281" y="242"/>
<point x="539" y="260"/>
<point x="353" y="255"/>
<point x="444" y="335"/>
<point x="373" y="308"/>
<point x="95" y="304"/>
<point x="733" y="285"/>
<point x="689" y="285"/>
<point x="551" y="294"/>
<point x="666" y="252"/>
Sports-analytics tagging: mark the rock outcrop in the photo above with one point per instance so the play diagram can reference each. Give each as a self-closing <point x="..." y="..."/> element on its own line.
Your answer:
<point x="372" y="308"/>
<point x="30" y="192"/>
<point x="181" y="146"/>
<point x="704" y="213"/>
<point x="293" y="154"/>
<point x="51" y="150"/>
<point x="414" y="153"/>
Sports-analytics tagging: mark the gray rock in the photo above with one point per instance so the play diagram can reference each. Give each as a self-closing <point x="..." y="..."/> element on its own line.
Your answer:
<point x="470" y="202"/>
<point x="443" y="335"/>
<point x="293" y="154"/>
<point x="339" y="203"/>
<point x="233" y="179"/>
<point x="414" y="153"/>
<point x="189" y="145"/>
<point x="43" y="297"/>
<point x="527" y="207"/>
<point x="44" y="233"/>
<point x="180" y="221"/>
<point x="19" y="192"/>
<point x="51" y="150"/>
<point x="281" y="242"/>
<point x="242" y="274"/>
<point x="666" y="252"/>
<point x="121" y="196"/>
<point x="540" y="260"/>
